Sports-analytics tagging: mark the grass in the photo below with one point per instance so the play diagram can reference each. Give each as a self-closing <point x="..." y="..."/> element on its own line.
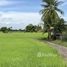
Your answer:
<point x="61" y="42"/>
<point x="24" y="50"/>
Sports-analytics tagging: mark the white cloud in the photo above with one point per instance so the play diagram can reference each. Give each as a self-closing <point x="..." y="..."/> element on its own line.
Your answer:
<point x="18" y="19"/>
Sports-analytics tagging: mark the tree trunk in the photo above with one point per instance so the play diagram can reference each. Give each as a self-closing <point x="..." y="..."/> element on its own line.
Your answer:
<point x="49" y="35"/>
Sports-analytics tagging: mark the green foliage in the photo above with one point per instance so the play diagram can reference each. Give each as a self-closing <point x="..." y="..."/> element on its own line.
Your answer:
<point x="5" y="29"/>
<point x="59" y="27"/>
<point x="32" y="28"/>
<point x="50" y="16"/>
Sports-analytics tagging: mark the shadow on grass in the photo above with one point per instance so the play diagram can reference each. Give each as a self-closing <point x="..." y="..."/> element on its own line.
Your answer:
<point x="43" y="39"/>
<point x="46" y="39"/>
<point x="65" y="40"/>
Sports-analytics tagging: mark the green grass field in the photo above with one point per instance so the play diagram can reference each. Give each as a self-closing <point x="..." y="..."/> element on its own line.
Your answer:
<point x="25" y="50"/>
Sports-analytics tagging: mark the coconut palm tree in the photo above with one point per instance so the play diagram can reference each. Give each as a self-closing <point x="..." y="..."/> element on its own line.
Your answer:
<point x="50" y="15"/>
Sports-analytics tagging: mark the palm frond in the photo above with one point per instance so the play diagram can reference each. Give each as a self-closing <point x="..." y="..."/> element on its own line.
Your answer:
<point x="58" y="3"/>
<point x="45" y="6"/>
<point x="59" y="10"/>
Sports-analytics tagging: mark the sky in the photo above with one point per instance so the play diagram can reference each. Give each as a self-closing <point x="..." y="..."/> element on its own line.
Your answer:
<point x="19" y="13"/>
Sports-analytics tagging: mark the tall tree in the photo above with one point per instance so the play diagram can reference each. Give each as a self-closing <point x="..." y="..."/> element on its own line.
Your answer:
<point x="50" y="15"/>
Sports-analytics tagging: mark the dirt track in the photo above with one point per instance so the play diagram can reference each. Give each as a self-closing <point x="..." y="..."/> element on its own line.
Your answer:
<point x="61" y="49"/>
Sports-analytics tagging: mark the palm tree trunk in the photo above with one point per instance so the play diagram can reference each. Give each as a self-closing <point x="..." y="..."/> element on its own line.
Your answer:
<point x="49" y="35"/>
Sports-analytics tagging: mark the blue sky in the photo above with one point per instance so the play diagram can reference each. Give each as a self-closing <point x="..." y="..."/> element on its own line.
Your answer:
<point x="19" y="13"/>
<point x="21" y="5"/>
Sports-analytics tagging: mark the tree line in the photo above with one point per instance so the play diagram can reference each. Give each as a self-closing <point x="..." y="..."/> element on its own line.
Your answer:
<point x="5" y="29"/>
<point x="28" y="28"/>
<point x="33" y="28"/>
<point x="9" y="29"/>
